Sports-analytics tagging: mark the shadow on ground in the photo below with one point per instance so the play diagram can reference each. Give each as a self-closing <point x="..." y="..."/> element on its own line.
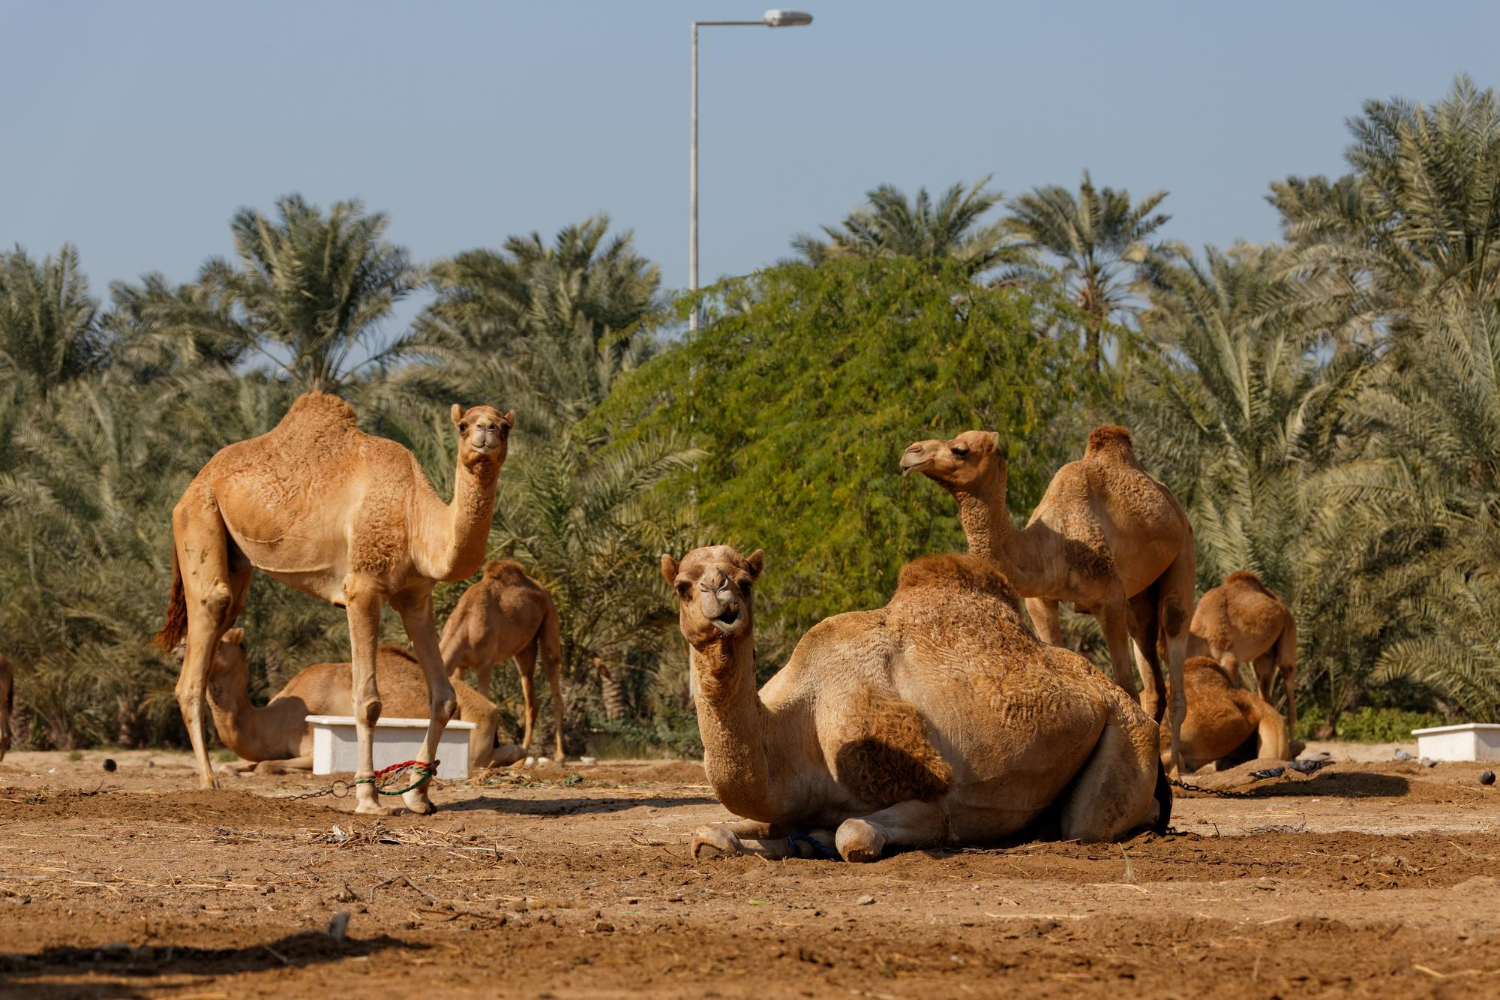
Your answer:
<point x="571" y="807"/>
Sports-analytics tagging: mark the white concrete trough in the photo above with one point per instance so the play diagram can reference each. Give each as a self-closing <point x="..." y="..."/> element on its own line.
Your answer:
<point x="336" y="745"/>
<point x="1470" y="741"/>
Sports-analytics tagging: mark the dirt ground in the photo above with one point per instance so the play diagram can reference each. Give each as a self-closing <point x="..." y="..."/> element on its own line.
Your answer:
<point x="1369" y="878"/>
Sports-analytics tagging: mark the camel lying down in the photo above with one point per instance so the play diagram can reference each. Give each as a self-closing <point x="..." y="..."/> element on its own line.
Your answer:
<point x="938" y="719"/>
<point x="1222" y="717"/>
<point x="276" y="738"/>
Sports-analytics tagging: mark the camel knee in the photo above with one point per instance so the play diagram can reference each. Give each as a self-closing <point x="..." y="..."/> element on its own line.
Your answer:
<point x="367" y="710"/>
<point x="216" y="603"/>
<point x="1173" y="617"/>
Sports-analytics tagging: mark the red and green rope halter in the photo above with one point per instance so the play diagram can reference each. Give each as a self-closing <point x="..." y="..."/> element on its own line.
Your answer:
<point x="387" y="775"/>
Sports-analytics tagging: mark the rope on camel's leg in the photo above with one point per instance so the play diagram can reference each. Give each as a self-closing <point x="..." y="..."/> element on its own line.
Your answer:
<point x="387" y="775"/>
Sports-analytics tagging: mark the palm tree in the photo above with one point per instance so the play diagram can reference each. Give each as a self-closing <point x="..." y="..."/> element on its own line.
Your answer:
<point x="48" y="333"/>
<point x="309" y="289"/>
<point x="889" y="225"/>
<point x="1420" y="215"/>
<point x="1104" y="244"/>
<point x="544" y="328"/>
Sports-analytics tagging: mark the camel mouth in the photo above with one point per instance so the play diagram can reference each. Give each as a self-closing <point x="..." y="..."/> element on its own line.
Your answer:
<point x="911" y="463"/>
<point x="726" y="620"/>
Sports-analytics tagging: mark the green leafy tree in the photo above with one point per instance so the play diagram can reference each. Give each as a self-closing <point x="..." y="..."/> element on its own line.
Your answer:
<point x="805" y="399"/>
<point x="48" y="330"/>
<point x="1104" y="245"/>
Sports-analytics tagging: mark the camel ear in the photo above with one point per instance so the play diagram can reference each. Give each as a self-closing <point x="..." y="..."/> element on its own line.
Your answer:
<point x="509" y="418"/>
<point x="234" y="636"/>
<point x="458" y="415"/>
<point x="995" y="439"/>
<point x="757" y="563"/>
<point x="668" y="569"/>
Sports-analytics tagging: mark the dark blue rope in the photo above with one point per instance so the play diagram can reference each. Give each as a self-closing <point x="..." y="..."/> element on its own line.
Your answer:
<point x="792" y="839"/>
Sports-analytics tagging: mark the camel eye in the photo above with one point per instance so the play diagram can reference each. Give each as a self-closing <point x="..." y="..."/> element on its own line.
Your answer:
<point x="682" y="589"/>
<point x="959" y="450"/>
<point x="463" y="428"/>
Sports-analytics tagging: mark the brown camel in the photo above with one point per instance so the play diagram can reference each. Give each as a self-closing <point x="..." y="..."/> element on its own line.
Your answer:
<point x="1240" y="621"/>
<point x="1106" y="536"/>
<point x="341" y="515"/>
<point x="7" y="702"/>
<point x="276" y="738"/>
<point x="507" y="614"/>
<point x="938" y="719"/>
<point x="1221" y="716"/>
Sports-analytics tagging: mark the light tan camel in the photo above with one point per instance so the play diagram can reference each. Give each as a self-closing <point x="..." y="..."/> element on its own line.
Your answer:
<point x="938" y="719"/>
<point x="507" y="614"/>
<point x="1221" y="716"/>
<point x="1106" y="536"/>
<point x="7" y="702"/>
<point x="341" y="515"/>
<point x="276" y="738"/>
<point x="1240" y="621"/>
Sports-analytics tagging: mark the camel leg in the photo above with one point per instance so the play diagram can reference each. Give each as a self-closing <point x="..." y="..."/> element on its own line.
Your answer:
<point x="203" y="559"/>
<point x="555" y="683"/>
<point x="485" y="748"/>
<point x="415" y="609"/>
<point x="1271" y="734"/>
<point x="526" y="667"/>
<point x="1144" y="632"/>
<point x="483" y="677"/>
<point x="1112" y="794"/>
<point x="283" y="766"/>
<point x="1044" y="619"/>
<point x="1117" y="633"/>
<point x="905" y="824"/>
<point x="362" y="606"/>
<point x="1289" y="680"/>
<point x="766" y="840"/>
<point x="1177" y="587"/>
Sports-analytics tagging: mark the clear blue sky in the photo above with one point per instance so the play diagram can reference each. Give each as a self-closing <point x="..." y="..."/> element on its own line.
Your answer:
<point x="135" y="130"/>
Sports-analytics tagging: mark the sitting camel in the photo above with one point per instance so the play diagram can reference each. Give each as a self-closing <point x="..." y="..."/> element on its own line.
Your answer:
<point x="1106" y="536"/>
<point x="1241" y="621"/>
<point x="276" y="738"/>
<point x="7" y="702"/>
<point x="507" y="614"/>
<point x="1221" y="716"/>
<point x="938" y="719"/>
<point x="340" y="515"/>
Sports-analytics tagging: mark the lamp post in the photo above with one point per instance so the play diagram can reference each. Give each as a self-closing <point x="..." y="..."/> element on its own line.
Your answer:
<point x="778" y="18"/>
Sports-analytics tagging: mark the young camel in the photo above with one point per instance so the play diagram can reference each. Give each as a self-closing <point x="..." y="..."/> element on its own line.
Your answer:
<point x="7" y="702"/>
<point x="1106" y="536"/>
<point x="938" y="719"/>
<point x="276" y="738"/>
<point x="340" y="515"/>
<point x="507" y="614"/>
<point x="1241" y="621"/>
<point x="1221" y="716"/>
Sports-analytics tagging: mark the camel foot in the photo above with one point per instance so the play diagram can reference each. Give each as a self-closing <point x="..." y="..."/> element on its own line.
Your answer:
<point x="718" y="841"/>
<point x="507" y="754"/>
<point x="375" y="809"/>
<point x="417" y="802"/>
<point x="859" y="840"/>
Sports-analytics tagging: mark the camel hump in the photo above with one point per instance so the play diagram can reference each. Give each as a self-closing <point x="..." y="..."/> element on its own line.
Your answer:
<point x="398" y="651"/>
<point x="507" y="570"/>
<point x="321" y="406"/>
<point x="951" y="571"/>
<point x="1110" y="442"/>
<point x="1244" y="576"/>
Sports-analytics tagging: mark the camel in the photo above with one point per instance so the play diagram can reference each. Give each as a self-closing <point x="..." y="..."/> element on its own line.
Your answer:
<point x="1240" y="621"/>
<point x="938" y="719"/>
<point x="7" y="702"/>
<point x="341" y="515"/>
<point x="1221" y="716"/>
<point x="1105" y="536"/>
<point x="276" y="738"/>
<point x="506" y="614"/>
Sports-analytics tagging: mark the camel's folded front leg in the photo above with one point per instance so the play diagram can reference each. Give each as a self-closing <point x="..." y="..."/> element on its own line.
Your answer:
<point x="766" y="840"/>
<point x="905" y="824"/>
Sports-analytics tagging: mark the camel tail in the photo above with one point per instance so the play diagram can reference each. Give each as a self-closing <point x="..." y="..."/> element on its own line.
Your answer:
<point x="177" y="619"/>
<point x="1163" y="796"/>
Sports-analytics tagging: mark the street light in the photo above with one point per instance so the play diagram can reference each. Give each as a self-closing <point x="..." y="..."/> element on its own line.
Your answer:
<point x="777" y="18"/>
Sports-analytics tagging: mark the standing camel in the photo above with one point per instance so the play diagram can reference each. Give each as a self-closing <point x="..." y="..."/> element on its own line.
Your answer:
<point x="341" y="515"/>
<point x="7" y="702"/>
<point x="507" y="614"/>
<point x="1106" y="536"/>
<point x="1241" y="621"/>
<point x="276" y="738"/>
<point x="938" y="719"/>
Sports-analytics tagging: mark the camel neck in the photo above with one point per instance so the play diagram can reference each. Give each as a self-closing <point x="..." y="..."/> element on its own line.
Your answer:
<point x="732" y="725"/>
<point x="990" y="535"/>
<point x="464" y="523"/>
<point x="271" y="733"/>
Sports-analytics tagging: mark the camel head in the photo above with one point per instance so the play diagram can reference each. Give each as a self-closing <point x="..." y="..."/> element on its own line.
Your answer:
<point x="713" y="592"/>
<point x="966" y="464"/>
<point x="483" y="435"/>
<point x="229" y="674"/>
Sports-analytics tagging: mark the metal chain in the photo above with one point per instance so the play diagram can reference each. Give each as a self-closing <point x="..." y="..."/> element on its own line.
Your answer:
<point x="1216" y="792"/>
<point x="338" y="790"/>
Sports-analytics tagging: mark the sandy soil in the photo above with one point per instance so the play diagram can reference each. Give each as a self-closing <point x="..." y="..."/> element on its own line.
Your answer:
<point x="1365" y="879"/>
